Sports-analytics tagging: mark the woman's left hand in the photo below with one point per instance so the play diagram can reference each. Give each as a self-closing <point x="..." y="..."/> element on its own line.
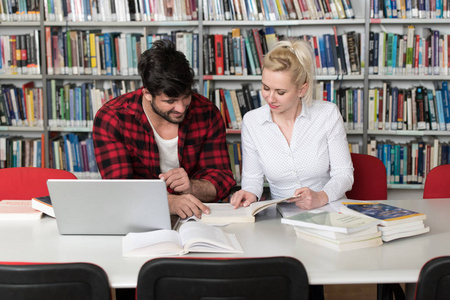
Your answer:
<point x="309" y="199"/>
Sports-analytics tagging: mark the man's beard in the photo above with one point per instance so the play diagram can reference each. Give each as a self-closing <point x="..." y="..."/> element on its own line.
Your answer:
<point x="167" y="115"/>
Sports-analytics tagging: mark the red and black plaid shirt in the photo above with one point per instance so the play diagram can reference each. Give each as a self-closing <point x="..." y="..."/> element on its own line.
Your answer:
<point x="125" y="146"/>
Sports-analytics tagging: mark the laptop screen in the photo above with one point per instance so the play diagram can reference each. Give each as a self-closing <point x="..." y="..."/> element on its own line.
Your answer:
<point x="113" y="206"/>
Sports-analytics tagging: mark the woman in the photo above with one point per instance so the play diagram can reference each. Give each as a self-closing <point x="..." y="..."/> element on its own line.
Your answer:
<point x="299" y="145"/>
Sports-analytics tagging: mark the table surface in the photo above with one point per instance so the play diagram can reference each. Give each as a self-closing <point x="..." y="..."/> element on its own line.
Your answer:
<point x="396" y="261"/>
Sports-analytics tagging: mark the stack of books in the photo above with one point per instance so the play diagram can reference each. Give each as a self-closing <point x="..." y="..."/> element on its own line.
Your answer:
<point x="395" y="222"/>
<point x="338" y="231"/>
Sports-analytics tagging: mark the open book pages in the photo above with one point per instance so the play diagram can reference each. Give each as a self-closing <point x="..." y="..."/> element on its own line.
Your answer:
<point x="225" y="213"/>
<point x="18" y="210"/>
<point x="332" y="221"/>
<point x="339" y="245"/>
<point x="191" y="237"/>
<point x="387" y="214"/>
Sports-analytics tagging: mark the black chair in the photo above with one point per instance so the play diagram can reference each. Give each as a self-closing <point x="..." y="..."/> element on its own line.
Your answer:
<point x="434" y="280"/>
<point x="223" y="279"/>
<point x="53" y="281"/>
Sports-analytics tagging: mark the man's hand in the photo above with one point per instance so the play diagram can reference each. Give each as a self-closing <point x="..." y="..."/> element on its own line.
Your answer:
<point x="308" y="199"/>
<point x="186" y="205"/>
<point x="242" y="198"/>
<point x="178" y="180"/>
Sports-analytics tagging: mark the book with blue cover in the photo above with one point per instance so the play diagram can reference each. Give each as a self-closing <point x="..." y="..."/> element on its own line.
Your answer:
<point x="388" y="214"/>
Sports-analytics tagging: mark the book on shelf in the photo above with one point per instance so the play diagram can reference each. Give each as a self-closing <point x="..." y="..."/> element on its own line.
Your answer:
<point x="219" y="57"/>
<point x="18" y="210"/>
<point x="191" y="237"/>
<point x="341" y="244"/>
<point x="43" y="204"/>
<point x="19" y="54"/>
<point x="271" y="10"/>
<point x="237" y="51"/>
<point x="333" y="221"/>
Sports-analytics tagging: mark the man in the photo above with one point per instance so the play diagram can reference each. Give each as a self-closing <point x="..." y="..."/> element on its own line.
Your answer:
<point x="165" y="130"/>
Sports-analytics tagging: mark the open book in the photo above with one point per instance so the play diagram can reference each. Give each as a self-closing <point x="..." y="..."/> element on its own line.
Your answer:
<point x="225" y="213"/>
<point x="191" y="237"/>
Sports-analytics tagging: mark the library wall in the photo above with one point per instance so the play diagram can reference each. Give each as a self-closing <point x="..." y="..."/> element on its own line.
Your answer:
<point x="371" y="60"/>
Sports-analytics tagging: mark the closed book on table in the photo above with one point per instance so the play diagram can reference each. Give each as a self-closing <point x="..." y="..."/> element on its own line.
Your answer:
<point x="43" y="204"/>
<point x="340" y="236"/>
<point x="332" y="221"/>
<point x="18" y="210"/>
<point x="339" y="245"/>
<point x="388" y="215"/>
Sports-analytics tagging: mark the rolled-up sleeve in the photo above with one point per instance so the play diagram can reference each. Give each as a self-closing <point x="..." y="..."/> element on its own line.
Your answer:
<point x="214" y="161"/>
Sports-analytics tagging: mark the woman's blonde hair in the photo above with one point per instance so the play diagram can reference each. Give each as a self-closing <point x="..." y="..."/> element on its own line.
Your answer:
<point x="297" y="57"/>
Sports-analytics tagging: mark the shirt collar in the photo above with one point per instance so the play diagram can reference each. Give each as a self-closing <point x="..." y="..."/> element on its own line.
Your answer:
<point x="305" y="113"/>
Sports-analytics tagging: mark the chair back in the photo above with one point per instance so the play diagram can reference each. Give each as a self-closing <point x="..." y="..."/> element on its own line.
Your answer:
<point x="266" y="278"/>
<point x="436" y="183"/>
<point x="24" y="183"/>
<point x="434" y="280"/>
<point x="53" y="281"/>
<point x="370" y="182"/>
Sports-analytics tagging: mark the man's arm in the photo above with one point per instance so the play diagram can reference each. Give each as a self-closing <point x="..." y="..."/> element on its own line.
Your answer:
<point x="214" y="162"/>
<point x="111" y="154"/>
<point x="178" y="180"/>
<point x="203" y="190"/>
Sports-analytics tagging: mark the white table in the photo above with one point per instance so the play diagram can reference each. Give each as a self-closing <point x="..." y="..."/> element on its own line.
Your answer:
<point x="395" y="261"/>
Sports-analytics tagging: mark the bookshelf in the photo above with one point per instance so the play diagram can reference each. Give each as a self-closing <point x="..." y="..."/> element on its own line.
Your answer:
<point x="411" y="134"/>
<point x="363" y="23"/>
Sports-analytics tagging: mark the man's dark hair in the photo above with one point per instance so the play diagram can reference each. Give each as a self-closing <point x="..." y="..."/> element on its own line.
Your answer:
<point x="163" y="69"/>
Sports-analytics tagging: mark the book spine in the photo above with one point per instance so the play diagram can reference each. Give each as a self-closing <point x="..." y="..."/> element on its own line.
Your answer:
<point x="219" y="57"/>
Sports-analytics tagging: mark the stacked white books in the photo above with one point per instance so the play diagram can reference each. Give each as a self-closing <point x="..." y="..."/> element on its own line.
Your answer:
<point x="395" y="222"/>
<point x="338" y="231"/>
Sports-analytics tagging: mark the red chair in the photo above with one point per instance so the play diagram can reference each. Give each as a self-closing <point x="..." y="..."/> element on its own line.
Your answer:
<point x="370" y="182"/>
<point x="24" y="183"/>
<point x="436" y="183"/>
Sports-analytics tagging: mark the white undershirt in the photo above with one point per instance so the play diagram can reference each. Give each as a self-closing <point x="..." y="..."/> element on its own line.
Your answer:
<point x="168" y="151"/>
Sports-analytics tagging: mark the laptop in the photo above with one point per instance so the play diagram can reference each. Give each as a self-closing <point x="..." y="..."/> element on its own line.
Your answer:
<point x="109" y="207"/>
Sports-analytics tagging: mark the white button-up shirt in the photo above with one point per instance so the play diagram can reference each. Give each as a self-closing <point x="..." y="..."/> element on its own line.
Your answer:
<point x="318" y="156"/>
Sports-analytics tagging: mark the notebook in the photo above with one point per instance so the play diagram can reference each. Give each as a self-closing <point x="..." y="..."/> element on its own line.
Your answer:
<point x="116" y="207"/>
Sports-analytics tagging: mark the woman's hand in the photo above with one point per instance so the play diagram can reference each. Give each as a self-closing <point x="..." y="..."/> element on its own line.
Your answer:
<point x="308" y="199"/>
<point x="242" y="198"/>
